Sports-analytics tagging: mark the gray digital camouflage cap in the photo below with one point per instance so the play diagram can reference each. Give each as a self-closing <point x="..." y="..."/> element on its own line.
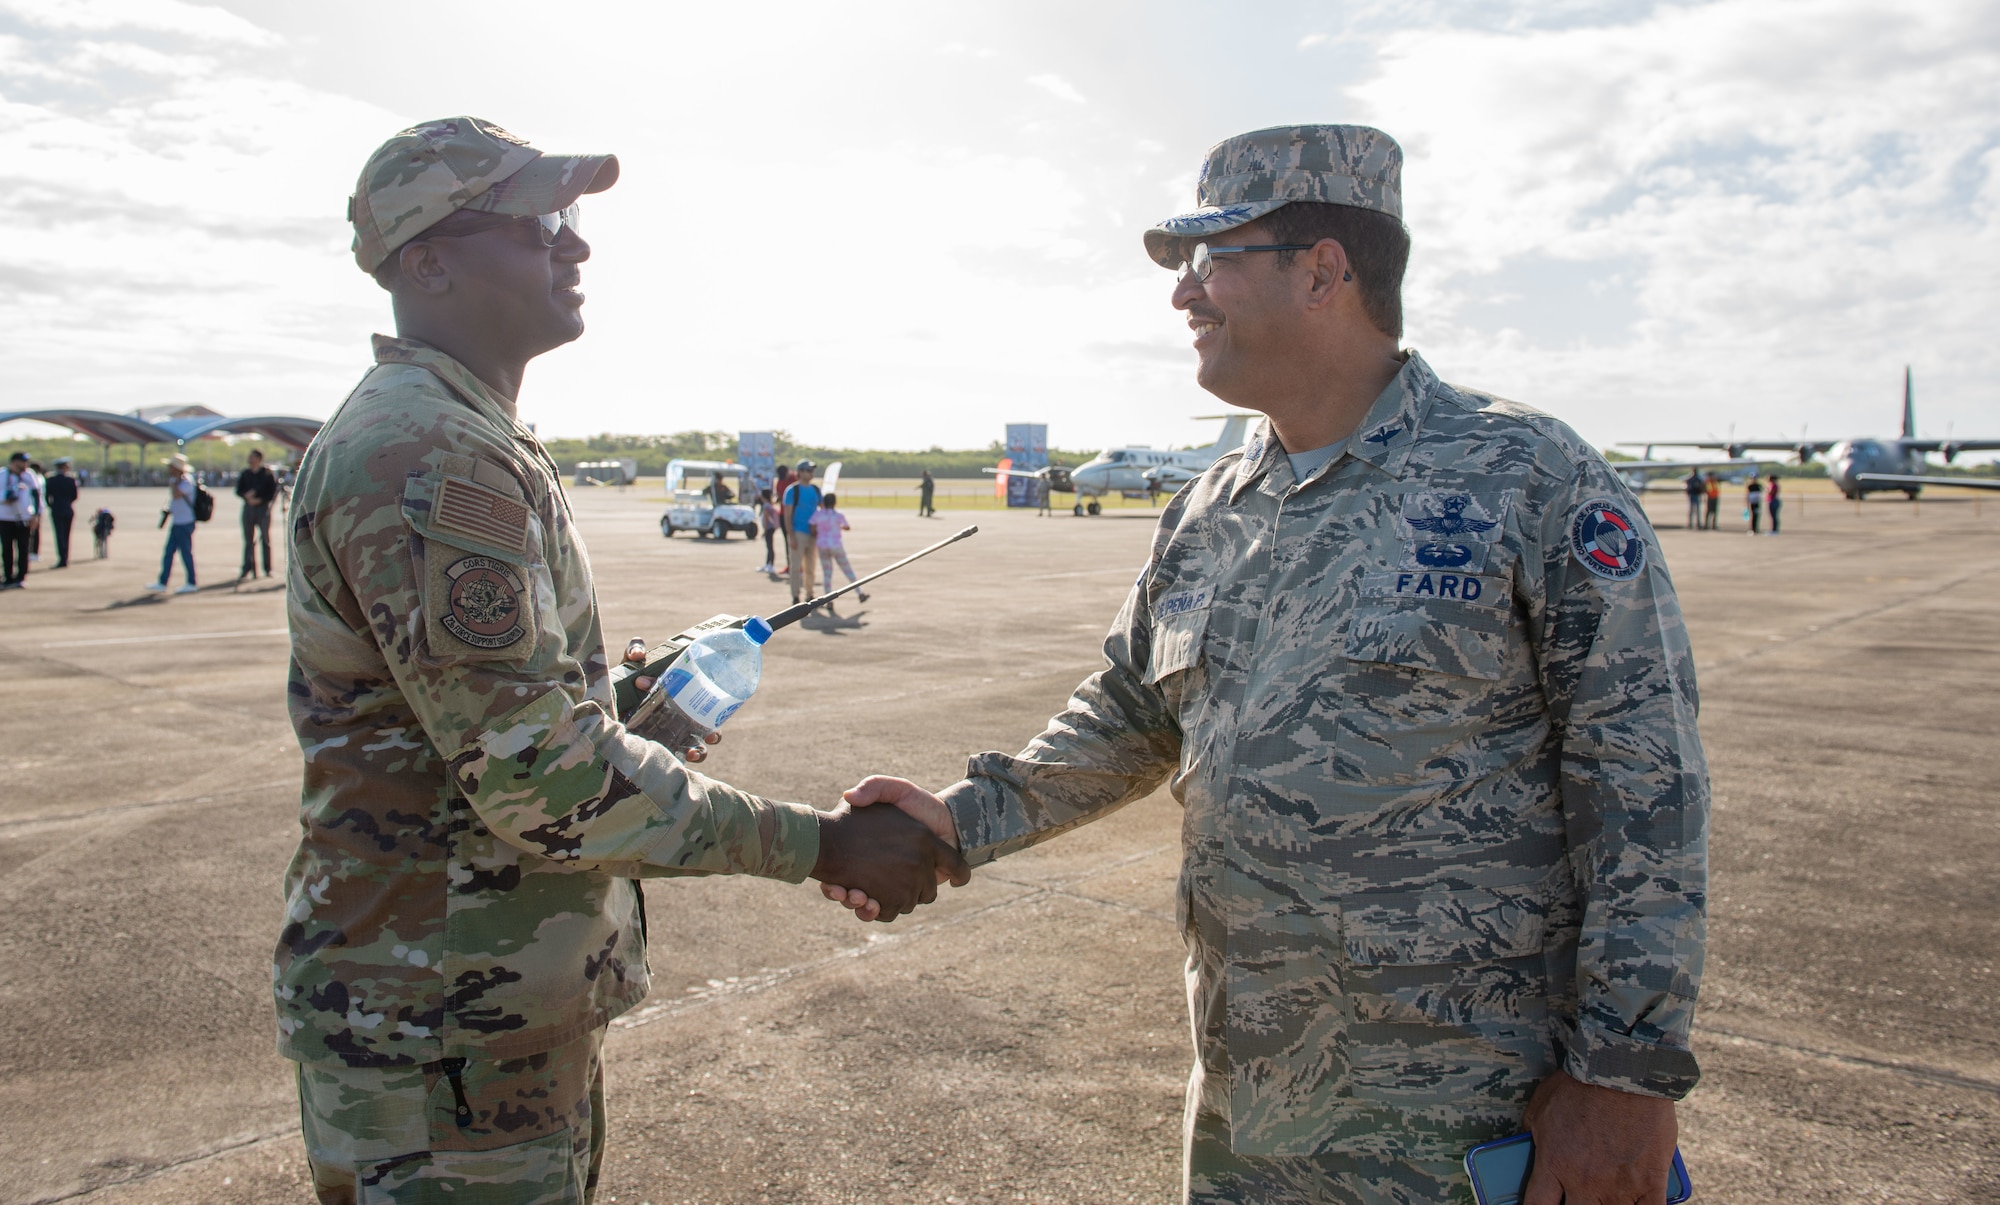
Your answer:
<point x="1245" y="177"/>
<point x="435" y="168"/>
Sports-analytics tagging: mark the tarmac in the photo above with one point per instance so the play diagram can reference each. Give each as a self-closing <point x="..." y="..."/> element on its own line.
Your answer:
<point x="1026" y="1038"/>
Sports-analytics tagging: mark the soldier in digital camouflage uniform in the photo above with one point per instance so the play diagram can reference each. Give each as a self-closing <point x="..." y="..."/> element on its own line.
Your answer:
<point x="1431" y="714"/>
<point x="461" y="916"/>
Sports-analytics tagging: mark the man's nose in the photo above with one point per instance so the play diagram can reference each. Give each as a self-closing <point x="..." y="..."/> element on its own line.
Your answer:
<point x="1186" y="290"/>
<point x="570" y="247"/>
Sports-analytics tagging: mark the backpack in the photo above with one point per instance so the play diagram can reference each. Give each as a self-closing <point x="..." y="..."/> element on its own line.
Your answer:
<point x="204" y="503"/>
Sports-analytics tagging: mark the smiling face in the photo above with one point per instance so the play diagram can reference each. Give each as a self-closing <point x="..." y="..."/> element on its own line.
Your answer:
<point x="522" y="293"/>
<point x="1247" y="317"/>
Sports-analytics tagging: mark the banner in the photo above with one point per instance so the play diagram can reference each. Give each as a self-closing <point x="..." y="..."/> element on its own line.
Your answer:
<point x="1028" y="450"/>
<point x="758" y="452"/>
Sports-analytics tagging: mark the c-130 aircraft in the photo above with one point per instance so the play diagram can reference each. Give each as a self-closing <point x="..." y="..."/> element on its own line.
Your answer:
<point x="1868" y="465"/>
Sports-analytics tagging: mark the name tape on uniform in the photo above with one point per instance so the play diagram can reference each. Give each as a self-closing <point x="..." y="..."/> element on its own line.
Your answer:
<point x="1182" y="602"/>
<point x="1461" y="587"/>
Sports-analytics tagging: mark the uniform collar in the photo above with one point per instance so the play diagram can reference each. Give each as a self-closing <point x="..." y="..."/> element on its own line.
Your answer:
<point x="1383" y="439"/>
<point x="481" y="396"/>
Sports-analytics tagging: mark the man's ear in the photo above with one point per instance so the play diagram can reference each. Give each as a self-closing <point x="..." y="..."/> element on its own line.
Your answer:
<point x="422" y="269"/>
<point x="1328" y="272"/>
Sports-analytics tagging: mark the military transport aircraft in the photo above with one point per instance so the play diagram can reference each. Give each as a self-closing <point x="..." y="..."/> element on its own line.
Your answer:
<point x="1864" y="466"/>
<point x="1125" y="471"/>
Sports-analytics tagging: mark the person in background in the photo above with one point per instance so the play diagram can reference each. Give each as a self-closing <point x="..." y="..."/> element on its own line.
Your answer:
<point x="41" y="508"/>
<point x="926" y="491"/>
<point x="18" y="510"/>
<point x="60" y="491"/>
<point x="1697" y="490"/>
<point x="1771" y="502"/>
<point x="1753" y="500"/>
<point x="827" y="524"/>
<point x="769" y="517"/>
<point x="1713" y="515"/>
<point x="179" y="518"/>
<point x="257" y="486"/>
<point x="800" y="501"/>
<point x="784" y="482"/>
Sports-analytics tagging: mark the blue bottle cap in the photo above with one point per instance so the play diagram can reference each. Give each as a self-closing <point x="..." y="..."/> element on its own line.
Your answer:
<point x="757" y="629"/>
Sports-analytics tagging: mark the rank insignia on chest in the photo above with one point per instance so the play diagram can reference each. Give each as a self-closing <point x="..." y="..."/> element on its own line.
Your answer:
<point x="483" y="514"/>
<point x="1605" y="541"/>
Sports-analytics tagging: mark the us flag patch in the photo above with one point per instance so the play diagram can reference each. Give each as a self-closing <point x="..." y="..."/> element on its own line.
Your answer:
<point x="483" y="514"/>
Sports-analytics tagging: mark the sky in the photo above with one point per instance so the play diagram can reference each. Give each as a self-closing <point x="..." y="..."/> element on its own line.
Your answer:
<point x="899" y="225"/>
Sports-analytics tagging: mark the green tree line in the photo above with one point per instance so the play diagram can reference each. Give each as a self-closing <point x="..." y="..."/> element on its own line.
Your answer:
<point x="654" y="451"/>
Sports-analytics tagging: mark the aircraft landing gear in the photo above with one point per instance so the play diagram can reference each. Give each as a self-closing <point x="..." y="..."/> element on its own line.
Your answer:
<point x="1077" y="510"/>
<point x="1095" y="507"/>
<point x="1910" y="494"/>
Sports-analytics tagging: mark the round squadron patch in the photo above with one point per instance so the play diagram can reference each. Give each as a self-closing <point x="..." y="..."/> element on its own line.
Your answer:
<point x="1606" y="541"/>
<point x="483" y="602"/>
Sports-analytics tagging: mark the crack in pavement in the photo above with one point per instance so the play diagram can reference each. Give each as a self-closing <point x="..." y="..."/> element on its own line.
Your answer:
<point x="1842" y="621"/>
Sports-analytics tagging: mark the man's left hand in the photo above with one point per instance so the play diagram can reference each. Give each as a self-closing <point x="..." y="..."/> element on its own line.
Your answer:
<point x="635" y="651"/>
<point x="1599" y="1146"/>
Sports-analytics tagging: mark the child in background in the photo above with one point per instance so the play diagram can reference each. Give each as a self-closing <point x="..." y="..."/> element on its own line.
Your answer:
<point x="827" y="524"/>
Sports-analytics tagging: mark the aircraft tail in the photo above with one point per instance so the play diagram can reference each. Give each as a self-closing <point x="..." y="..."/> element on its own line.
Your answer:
<point x="1909" y="407"/>
<point x="1234" y="428"/>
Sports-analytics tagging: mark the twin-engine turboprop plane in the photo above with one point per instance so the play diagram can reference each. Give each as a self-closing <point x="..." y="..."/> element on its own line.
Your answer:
<point x="1136" y="471"/>
<point x="1866" y="466"/>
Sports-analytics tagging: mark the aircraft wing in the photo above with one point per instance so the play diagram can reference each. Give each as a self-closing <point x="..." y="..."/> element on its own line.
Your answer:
<point x="1748" y="445"/>
<point x="1894" y="480"/>
<point x="1952" y="445"/>
<point x="1674" y="466"/>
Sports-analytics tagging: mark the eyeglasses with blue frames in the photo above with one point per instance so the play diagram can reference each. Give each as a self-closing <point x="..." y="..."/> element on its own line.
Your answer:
<point x="1201" y="261"/>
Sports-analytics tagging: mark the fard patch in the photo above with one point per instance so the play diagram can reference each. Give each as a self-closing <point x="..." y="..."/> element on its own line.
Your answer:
<point x="1606" y="541"/>
<point x="483" y="602"/>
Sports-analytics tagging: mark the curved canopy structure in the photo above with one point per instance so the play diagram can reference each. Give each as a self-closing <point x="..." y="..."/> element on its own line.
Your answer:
<point x="294" y="433"/>
<point x="108" y="428"/>
<point x="102" y="426"/>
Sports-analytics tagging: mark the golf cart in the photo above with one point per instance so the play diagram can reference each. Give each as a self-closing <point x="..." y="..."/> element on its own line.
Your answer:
<point x="710" y="498"/>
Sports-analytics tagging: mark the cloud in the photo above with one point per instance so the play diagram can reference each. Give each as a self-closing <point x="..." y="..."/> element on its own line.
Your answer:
<point x="1793" y="198"/>
<point x="1311" y="40"/>
<point x="1058" y="87"/>
<point x="203" y="22"/>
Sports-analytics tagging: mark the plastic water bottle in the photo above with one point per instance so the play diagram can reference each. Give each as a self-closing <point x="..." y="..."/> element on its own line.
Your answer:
<point x="710" y="680"/>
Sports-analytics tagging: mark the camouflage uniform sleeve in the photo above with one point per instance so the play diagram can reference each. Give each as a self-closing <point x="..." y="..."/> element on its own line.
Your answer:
<point x="1619" y="678"/>
<point x="479" y="634"/>
<point x="1116" y="742"/>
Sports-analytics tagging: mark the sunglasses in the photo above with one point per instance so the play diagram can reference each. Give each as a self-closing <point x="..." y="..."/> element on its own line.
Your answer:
<point x="1201" y="262"/>
<point x="549" y="225"/>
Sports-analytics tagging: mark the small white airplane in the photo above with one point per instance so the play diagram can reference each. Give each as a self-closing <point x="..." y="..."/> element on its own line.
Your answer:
<point x="1637" y="473"/>
<point x="1136" y="471"/>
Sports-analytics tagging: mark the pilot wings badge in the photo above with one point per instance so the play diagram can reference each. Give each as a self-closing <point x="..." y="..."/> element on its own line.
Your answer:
<point x="1454" y="534"/>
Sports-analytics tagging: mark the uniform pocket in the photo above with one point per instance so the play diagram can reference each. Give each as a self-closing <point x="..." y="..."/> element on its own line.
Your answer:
<point x="541" y="1171"/>
<point x="1463" y="643"/>
<point x="1177" y="643"/>
<point x="1449" y="991"/>
<point x="470" y="549"/>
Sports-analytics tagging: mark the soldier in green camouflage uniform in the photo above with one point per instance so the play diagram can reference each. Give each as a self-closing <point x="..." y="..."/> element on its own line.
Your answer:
<point x="1431" y="714"/>
<point x="462" y="916"/>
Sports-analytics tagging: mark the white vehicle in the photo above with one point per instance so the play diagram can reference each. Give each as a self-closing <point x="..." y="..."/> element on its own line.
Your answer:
<point x="710" y="498"/>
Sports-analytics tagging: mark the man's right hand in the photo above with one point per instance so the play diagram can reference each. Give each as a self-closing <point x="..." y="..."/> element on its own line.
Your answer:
<point x="916" y="802"/>
<point x="893" y="860"/>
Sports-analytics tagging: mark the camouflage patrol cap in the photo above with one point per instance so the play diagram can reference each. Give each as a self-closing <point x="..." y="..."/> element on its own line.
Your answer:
<point x="1245" y="177"/>
<point x="435" y="168"/>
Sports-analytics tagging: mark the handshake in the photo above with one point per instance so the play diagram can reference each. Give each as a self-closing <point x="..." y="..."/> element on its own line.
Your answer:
<point x="884" y="861"/>
<point x="880" y="862"/>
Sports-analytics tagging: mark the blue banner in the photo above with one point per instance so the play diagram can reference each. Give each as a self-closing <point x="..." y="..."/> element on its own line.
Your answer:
<point x="758" y="452"/>
<point x="1028" y="448"/>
